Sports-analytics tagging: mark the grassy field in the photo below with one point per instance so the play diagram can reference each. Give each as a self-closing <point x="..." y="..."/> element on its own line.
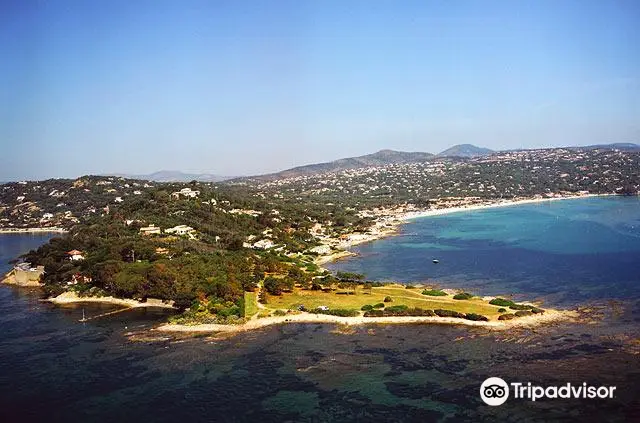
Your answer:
<point x="399" y="295"/>
<point x="250" y="304"/>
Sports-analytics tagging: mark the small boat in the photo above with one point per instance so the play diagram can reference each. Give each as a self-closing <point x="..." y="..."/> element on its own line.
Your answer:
<point x="436" y="261"/>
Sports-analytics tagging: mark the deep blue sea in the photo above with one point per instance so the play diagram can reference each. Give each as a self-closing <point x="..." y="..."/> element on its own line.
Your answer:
<point x="54" y="368"/>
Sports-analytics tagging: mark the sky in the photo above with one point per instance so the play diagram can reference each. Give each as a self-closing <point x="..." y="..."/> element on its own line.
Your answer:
<point x="249" y="87"/>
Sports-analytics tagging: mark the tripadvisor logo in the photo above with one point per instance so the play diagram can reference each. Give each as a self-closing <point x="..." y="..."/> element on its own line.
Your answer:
<point x="495" y="391"/>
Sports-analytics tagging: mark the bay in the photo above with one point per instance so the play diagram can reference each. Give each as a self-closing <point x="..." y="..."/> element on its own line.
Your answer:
<point x="562" y="252"/>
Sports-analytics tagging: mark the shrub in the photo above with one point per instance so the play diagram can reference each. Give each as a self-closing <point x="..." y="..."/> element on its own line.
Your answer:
<point x="502" y="310"/>
<point x="523" y="313"/>
<point x="501" y="302"/>
<point x="507" y="316"/>
<point x="409" y="287"/>
<point x="410" y="312"/>
<point x="537" y="310"/>
<point x="520" y="307"/>
<point x="396" y="308"/>
<point x="367" y="307"/>
<point x="448" y="313"/>
<point x="399" y="311"/>
<point x="462" y="296"/>
<point x="343" y="312"/>
<point x="387" y="299"/>
<point x="379" y="305"/>
<point x="476" y="317"/>
<point x="279" y="313"/>
<point x="434" y="292"/>
<point x="420" y="312"/>
<point x="273" y="286"/>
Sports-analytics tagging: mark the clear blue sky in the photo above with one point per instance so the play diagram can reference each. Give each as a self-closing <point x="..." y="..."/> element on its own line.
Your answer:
<point x="247" y="87"/>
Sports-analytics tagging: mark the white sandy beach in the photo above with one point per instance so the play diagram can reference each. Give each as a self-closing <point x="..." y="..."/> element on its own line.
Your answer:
<point x="72" y="298"/>
<point x="333" y="256"/>
<point x="502" y="203"/>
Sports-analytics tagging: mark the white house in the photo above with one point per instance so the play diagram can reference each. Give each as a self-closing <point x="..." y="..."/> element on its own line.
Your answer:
<point x="185" y="192"/>
<point x="75" y="255"/>
<point x="180" y="230"/>
<point x="264" y="244"/>
<point x="321" y="249"/>
<point x="79" y="278"/>
<point x="150" y="230"/>
<point x="253" y="213"/>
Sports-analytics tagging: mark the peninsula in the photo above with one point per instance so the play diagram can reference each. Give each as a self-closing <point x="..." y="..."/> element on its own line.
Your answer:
<point x="248" y="252"/>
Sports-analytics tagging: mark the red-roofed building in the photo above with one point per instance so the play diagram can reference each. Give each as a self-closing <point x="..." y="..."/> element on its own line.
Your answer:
<point x="75" y="255"/>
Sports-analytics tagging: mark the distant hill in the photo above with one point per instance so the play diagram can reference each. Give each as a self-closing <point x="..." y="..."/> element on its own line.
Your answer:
<point x="465" y="150"/>
<point x="176" y="176"/>
<point x="381" y="158"/>
<point x="623" y="146"/>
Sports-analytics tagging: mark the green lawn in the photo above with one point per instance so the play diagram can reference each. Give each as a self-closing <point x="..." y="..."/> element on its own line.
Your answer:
<point x="250" y="304"/>
<point x="409" y="297"/>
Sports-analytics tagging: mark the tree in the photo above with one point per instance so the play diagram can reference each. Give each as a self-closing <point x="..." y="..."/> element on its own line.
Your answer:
<point x="131" y="281"/>
<point x="287" y="283"/>
<point x="272" y="286"/>
<point x="104" y="274"/>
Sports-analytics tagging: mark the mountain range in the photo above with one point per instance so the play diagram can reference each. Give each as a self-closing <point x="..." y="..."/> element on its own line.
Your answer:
<point x="175" y="176"/>
<point x="622" y="146"/>
<point x="380" y="158"/>
<point x="465" y="150"/>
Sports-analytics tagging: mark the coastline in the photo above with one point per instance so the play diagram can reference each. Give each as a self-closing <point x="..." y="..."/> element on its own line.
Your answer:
<point x="389" y="223"/>
<point x="33" y="230"/>
<point x="492" y="205"/>
<point x="73" y="298"/>
<point x="550" y="316"/>
<point x="10" y="279"/>
<point x="333" y="257"/>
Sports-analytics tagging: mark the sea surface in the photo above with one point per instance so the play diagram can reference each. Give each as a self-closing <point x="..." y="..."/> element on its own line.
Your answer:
<point x="55" y="368"/>
<point x="560" y="252"/>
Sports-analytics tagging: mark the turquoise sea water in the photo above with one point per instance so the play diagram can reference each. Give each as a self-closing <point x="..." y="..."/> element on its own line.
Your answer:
<point x="54" y="368"/>
<point x="564" y="252"/>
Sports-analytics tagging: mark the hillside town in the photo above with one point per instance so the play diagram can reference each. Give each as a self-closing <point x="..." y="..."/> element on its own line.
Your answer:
<point x="505" y="175"/>
<point x="328" y="208"/>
